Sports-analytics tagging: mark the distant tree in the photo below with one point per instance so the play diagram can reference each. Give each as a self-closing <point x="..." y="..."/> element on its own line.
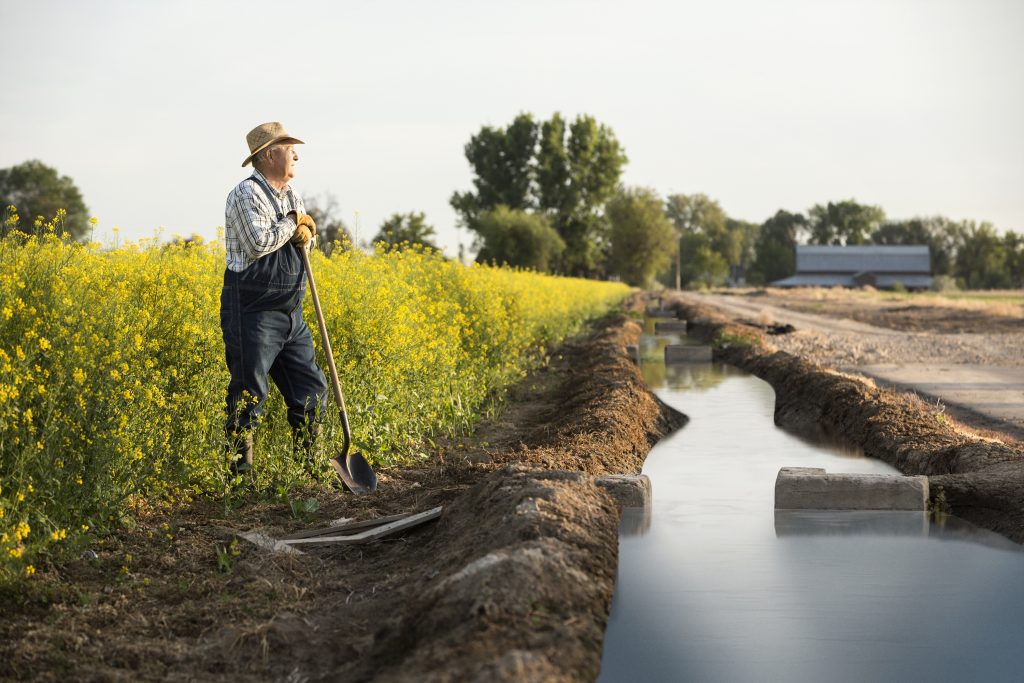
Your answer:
<point x="743" y="234"/>
<point x="702" y="265"/>
<point x="642" y="238"/>
<point x="566" y="173"/>
<point x="844" y="223"/>
<point x="36" y="189"/>
<point x="517" y="238"/>
<point x="981" y="261"/>
<point x="699" y="214"/>
<point x="577" y="173"/>
<point x="411" y="228"/>
<point x="502" y="160"/>
<point x="775" y="247"/>
<point x="1013" y="244"/>
<point x="330" y="228"/>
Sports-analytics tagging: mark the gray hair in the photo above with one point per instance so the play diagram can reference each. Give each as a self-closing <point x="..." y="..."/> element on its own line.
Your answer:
<point x="261" y="157"/>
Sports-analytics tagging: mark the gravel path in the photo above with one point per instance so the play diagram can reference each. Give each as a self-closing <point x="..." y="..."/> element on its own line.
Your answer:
<point x="843" y="343"/>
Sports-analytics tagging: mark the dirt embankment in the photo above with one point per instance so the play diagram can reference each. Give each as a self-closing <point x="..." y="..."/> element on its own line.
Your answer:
<point x="514" y="582"/>
<point x="980" y="478"/>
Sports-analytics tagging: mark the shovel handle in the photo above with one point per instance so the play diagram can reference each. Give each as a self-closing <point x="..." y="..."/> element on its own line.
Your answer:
<point x="335" y="383"/>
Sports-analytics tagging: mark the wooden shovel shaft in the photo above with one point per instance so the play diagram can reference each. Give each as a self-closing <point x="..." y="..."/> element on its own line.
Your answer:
<point x="335" y="383"/>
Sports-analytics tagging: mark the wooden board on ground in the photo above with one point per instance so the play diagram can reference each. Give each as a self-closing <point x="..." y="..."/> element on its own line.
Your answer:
<point x="350" y="526"/>
<point x="374" y="533"/>
<point x="261" y="540"/>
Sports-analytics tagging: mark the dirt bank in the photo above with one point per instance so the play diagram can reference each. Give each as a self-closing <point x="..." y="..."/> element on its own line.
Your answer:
<point x="980" y="475"/>
<point x="514" y="581"/>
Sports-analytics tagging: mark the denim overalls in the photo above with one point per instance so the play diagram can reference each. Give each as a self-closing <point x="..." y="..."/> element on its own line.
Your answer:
<point x="264" y="333"/>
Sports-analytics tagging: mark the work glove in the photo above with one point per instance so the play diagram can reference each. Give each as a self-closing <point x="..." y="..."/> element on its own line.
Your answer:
<point x="302" y="236"/>
<point x="305" y="229"/>
<point x="307" y="220"/>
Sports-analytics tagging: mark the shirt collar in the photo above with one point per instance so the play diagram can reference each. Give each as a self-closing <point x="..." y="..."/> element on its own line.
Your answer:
<point x="280" y="193"/>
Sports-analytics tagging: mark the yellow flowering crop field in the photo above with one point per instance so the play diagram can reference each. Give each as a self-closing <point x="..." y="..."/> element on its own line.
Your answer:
<point x="112" y="375"/>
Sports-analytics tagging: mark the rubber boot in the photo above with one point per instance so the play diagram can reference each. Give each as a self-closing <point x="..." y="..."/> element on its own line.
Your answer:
<point x="303" y="439"/>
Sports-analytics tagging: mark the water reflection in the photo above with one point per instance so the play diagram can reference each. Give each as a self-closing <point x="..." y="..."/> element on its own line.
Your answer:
<point x="720" y="587"/>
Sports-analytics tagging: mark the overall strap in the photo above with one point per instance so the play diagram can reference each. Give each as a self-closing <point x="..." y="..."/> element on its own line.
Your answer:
<point x="270" y="195"/>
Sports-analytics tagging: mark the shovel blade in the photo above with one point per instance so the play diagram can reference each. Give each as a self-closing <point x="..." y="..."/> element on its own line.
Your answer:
<point x="355" y="473"/>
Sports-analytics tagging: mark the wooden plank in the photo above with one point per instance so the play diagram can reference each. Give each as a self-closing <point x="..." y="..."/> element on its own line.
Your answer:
<point x="350" y="526"/>
<point x="261" y="540"/>
<point x="376" y="532"/>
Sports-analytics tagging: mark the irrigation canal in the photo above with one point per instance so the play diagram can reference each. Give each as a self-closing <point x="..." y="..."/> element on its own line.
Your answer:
<point x="714" y="585"/>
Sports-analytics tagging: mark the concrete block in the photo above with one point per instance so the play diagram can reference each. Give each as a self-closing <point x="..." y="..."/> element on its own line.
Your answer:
<point x="670" y="327"/>
<point x="633" y="351"/>
<point x="634" y="521"/>
<point x="628" y="490"/>
<point x="660" y="313"/>
<point x="811" y="488"/>
<point x="678" y="353"/>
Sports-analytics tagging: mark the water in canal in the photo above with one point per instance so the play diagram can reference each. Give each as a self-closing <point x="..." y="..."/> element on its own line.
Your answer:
<point x="720" y="587"/>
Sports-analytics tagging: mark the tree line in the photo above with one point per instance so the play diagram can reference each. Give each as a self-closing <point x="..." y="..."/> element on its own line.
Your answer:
<point x="548" y="195"/>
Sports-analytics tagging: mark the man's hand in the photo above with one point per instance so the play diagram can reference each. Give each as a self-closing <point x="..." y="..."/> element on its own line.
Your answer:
<point x="303" y="236"/>
<point x="305" y="228"/>
<point x="307" y="220"/>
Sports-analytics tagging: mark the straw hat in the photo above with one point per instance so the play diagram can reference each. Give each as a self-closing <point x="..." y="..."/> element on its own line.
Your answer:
<point x="265" y="135"/>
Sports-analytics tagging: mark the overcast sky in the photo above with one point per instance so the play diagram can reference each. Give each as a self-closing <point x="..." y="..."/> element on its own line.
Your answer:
<point x="913" y="105"/>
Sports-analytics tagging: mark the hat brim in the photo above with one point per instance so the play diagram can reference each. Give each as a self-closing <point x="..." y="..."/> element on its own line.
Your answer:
<point x="275" y="141"/>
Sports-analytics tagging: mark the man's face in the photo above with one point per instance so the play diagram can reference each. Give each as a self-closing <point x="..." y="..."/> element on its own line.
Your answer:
<point x="282" y="161"/>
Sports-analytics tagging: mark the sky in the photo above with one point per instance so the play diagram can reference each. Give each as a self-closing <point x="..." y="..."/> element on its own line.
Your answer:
<point x="912" y="105"/>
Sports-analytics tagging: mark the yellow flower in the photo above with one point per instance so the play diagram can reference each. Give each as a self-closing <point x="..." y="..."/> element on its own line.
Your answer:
<point x="29" y="570"/>
<point x="44" y="344"/>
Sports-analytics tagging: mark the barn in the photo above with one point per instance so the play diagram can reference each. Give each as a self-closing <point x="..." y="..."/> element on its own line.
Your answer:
<point x="881" y="267"/>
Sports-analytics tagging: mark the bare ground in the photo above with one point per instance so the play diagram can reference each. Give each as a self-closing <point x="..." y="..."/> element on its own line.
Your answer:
<point x="514" y="581"/>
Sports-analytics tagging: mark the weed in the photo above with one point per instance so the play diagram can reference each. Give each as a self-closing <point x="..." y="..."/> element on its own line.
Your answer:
<point x="226" y="556"/>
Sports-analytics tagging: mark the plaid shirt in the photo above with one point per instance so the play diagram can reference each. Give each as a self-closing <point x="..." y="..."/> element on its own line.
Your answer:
<point x="251" y="228"/>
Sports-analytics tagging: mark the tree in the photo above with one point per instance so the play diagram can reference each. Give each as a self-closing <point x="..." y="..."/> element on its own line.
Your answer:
<point x="330" y="229"/>
<point x="410" y="228"/>
<point x="518" y="238"/>
<point x="702" y="265"/>
<point x="566" y="173"/>
<point x="981" y="261"/>
<point x="1013" y="244"/>
<point x="578" y="174"/>
<point x="844" y="223"/>
<point x="775" y="247"/>
<point x="742" y="237"/>
<point x="641" y="236"/>
<point x="36" y="189"/>
<point x="502" y="160"/>
<point x="696" y="214"/>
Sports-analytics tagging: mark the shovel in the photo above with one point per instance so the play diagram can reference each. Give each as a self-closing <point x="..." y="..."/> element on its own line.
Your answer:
<point x="352" y="468"/>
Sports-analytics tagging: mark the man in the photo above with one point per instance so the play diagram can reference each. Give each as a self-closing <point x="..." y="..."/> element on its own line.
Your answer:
<point x="261" y="302"/>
